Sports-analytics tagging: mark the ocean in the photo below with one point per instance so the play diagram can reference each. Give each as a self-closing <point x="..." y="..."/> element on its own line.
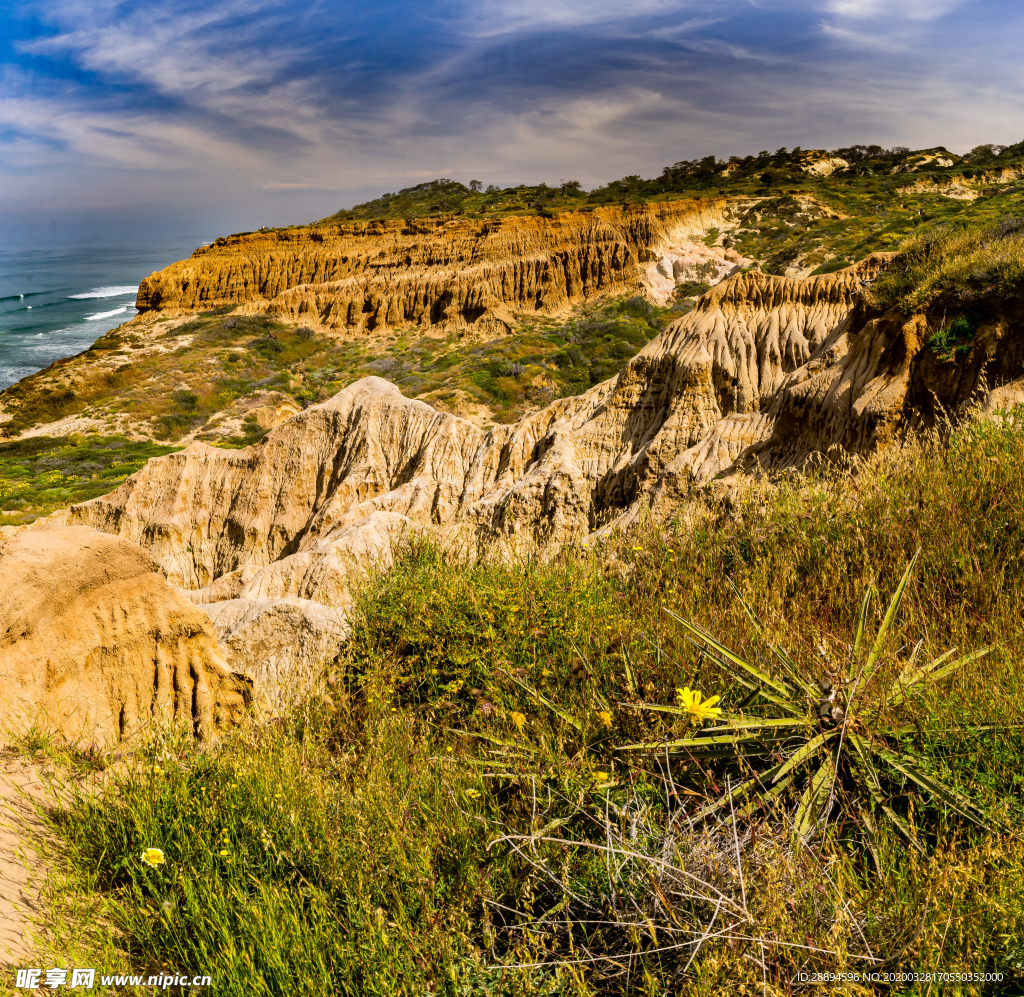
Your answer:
<point x="56" y="303"/>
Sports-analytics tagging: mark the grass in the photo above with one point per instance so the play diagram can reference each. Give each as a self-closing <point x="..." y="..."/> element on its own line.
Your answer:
<point x="41" y="474"/>
<point x="959" y="263"/>
<point x="439" y="819"/>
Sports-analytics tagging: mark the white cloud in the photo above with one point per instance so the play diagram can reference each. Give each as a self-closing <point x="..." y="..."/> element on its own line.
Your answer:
<point x="226" y="106"/>
<point x="495" y="17"/>
<point x="915" y="10"/>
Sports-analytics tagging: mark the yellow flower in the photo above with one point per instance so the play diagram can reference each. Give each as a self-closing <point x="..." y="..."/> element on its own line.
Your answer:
<point x="472" y="794"/>
<point x="224" y="851"/>
<point x="153" y="856"/>
<point x="518" y="719"/>
<point x="601" y="776"/>
<point x="689" y="700"/>
<point x="546" y="673"/>
<point x="606" y="718"/>
<point x="638" y="548"/>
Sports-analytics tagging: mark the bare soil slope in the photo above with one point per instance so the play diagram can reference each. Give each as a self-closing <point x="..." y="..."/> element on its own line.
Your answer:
<point x="95" y="642"/>
<point x="449" y="272"/>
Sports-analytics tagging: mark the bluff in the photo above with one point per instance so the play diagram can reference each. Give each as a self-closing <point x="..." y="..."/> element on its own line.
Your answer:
<point x="763" y="372"/>
<point x="448" y="272"/>
<point x="94" y="641"/>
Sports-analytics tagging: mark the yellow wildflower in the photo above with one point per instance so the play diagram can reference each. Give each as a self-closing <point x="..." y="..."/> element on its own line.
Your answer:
<point x="472" y="794"/>
<point x="606" y="718"/>
<point x="224" y="851"/>
<point x="601" y="776"/>
<point x="518" y="719"/>
<point x="153" y="856"/>
<point x="689" y="700"/>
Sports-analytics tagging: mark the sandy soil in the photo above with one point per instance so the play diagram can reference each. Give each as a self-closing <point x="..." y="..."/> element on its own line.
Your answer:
<point x="23" y="784"/>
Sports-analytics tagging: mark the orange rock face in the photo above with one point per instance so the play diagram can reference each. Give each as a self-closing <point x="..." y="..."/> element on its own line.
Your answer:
<point x="433" y="272"/>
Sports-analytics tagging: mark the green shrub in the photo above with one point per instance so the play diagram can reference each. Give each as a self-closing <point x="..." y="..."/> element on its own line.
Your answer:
<point x="960" y="262"/>
<point x="954" y="340"/>
<point x="831" y="266"/>
<point x="42" y="473"/>
<point x="185" y="399"/>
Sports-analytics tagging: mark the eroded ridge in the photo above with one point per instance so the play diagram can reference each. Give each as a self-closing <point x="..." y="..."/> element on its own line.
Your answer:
<point x="452" y="272"/>
<point x="288" y="517"/>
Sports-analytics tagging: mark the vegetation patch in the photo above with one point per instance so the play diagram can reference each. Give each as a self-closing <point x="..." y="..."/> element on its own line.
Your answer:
<point x="958" y="263"/>
<point x="41" y="474"/>
<point x="480" y="802"/>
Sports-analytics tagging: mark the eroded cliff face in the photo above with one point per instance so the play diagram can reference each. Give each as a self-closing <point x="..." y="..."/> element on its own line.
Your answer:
<point x="95" y="642"/>
<point x="449" y="272"/>
<point x="765" y="371"/>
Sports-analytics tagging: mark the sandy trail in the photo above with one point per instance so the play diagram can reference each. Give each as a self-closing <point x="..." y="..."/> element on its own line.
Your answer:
<point x="22" y="871"/>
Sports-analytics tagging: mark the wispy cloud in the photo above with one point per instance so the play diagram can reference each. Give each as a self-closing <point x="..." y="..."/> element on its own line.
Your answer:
<point x="917" y="10"/>
<point x="244" y="103"/>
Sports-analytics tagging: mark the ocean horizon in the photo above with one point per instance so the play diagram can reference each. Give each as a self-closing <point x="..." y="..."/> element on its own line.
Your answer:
<point x="55" y="303"/>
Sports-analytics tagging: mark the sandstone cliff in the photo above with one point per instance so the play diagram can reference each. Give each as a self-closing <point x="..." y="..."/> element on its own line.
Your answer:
<point x="96" y="643"/>
<point x="449" y="272"/>
<point x="765" y="371"/>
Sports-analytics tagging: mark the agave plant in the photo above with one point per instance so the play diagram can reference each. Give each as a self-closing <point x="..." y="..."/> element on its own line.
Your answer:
<point x="829" y="739"/>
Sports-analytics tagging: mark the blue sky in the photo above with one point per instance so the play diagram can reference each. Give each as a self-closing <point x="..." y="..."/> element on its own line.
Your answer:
<point x="166" y="116"/>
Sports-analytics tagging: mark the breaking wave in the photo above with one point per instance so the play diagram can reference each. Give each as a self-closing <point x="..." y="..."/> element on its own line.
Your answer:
<point x="99" y="315"/>
<point x="107" y="292"/>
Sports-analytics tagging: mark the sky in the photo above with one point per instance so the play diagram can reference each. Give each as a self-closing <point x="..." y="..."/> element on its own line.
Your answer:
<point x="154" y="119"/>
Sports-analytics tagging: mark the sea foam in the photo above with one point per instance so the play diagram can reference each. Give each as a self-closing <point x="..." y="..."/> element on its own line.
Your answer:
<point x="107" y="292"/>
<point x="99" y="315"/>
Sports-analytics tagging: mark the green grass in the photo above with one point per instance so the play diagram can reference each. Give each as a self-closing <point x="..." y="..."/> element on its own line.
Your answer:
<point x="41" y="474"/>
<point x="379" y="841"/>
<point x="231" y="357"/>
<point x="957" y="263"/>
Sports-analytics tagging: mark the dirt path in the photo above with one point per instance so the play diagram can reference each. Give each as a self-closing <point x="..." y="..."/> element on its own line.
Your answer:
<point x="22" y="784"/>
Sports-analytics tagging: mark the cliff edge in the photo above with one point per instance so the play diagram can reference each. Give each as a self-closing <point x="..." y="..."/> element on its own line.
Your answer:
<point x="764" y="372"/>
<point x="448" y="272"/>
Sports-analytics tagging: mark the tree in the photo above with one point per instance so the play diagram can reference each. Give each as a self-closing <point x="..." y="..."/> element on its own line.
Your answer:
<point x="491" y="189"/>
<point x="572" y="187"/>
<point x="475" y="185"/>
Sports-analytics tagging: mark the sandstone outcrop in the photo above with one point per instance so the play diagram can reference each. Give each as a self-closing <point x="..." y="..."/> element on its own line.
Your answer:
<point x="447" y="272"/>
<point x="764" y="371"/>
<point x="281" y="645"/>
<point x="96" y="643"/>
<point x="946" y="187"/>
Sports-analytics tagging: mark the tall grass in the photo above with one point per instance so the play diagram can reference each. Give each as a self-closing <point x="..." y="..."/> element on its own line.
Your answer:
<point x="448" y="816"/>
<point x="959" y="262"/>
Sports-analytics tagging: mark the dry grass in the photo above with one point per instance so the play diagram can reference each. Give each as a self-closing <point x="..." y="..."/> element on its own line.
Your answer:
<point x="956" y="262"/>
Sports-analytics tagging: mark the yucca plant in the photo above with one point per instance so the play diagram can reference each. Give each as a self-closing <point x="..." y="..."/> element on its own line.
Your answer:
<point x="829" y="742"/>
